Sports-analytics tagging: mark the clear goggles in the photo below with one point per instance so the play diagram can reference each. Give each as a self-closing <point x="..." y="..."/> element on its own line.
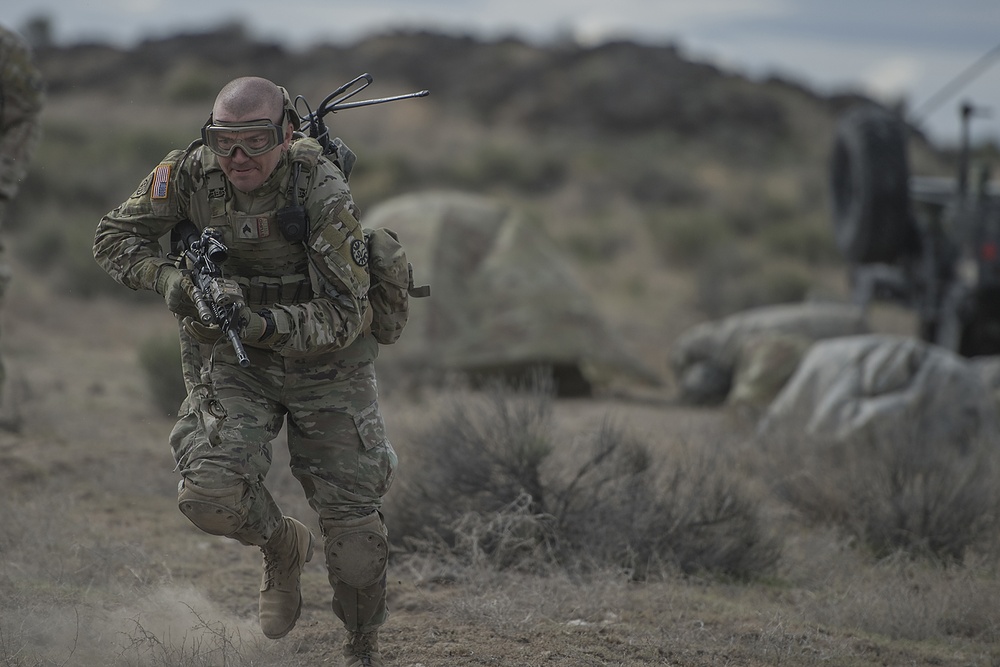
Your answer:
<point x="254" y="137"/>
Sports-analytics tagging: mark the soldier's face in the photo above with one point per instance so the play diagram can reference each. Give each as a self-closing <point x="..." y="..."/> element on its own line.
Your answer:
<point x="245" y="172"/>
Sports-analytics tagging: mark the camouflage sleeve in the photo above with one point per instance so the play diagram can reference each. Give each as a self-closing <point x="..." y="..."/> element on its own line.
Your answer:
<point x="127" y="241"/>
<point x="338" y="260"/>
<point x="21" y="96"/>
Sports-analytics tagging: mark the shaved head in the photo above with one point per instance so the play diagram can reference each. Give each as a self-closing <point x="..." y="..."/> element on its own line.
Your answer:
<point x="249" y="98"/>
<point x="244" y="101"/>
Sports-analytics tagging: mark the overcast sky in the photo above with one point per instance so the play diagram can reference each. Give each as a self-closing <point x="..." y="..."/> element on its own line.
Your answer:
<point x="914" y="49"/>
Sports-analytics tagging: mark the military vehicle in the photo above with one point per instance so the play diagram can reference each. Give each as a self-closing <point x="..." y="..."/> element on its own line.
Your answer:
<point x="929" y="243"/>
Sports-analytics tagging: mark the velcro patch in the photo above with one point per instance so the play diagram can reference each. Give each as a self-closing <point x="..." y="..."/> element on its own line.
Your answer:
<point x="161" y="181"/>
<point x="254" y="228"/>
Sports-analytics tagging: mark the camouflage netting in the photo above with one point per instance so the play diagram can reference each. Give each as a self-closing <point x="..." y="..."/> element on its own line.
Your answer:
<point x="880" y="388"/>
<point x="760" y="347"/>
<point x="504" y="298"/>
<point x="765" y="363"/>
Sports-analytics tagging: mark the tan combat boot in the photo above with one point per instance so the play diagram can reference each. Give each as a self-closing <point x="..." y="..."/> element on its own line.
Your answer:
<point x="361" y="650"/>
<point x="285" y="554"/>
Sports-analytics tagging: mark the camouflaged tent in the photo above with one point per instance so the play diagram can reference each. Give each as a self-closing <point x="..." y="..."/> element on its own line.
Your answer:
<point x="880" y="388"/>
<point x="743" y="351"/>
<point x="504" y="299"/>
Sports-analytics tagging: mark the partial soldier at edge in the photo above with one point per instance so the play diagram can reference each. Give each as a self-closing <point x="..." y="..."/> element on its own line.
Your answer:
<point x="21" y="98"/>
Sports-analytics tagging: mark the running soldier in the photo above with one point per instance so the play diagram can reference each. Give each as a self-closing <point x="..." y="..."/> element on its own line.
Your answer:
<point x="305" y="320"/>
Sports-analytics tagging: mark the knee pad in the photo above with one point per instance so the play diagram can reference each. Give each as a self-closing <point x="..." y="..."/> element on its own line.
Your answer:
<point x="357" y="550"/>
<point x="215" y="511"/>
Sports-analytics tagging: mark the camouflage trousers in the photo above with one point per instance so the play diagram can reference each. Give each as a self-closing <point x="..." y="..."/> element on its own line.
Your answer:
<point x="337" y="442"/>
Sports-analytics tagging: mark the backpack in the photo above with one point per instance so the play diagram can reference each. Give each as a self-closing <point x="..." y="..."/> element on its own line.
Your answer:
<point x="390" y="272"/>
<point x="391" y="284"/>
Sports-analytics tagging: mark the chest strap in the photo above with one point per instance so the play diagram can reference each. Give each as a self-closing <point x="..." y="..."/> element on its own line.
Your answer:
<point x="215" y="185"/>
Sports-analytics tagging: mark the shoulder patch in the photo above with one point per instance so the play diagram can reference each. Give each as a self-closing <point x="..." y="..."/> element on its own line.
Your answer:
<point x="359" y="252"/>
<point x="143" y="187"/>
<point x="161" y="181"/>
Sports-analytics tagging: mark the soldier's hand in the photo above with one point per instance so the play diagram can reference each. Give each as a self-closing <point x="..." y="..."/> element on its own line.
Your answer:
<point x="263" y="327"/>
<point x="252" y="325"/>
<point x="176" y="287"/>
<point x="203" y="333"/>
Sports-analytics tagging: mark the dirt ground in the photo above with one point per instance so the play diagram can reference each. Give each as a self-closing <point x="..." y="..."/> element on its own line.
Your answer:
<point x="92" y="443"/>
<point x="93" y="447"/>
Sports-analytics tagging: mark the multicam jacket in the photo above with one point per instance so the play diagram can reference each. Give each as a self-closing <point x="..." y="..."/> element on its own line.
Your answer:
<point x="320" y="284"/>
<point x="21" y="97"/>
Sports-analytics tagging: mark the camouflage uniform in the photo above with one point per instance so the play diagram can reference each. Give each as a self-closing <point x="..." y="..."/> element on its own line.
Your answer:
<point x="21" y="96"/>
<point x="319" y="376"/>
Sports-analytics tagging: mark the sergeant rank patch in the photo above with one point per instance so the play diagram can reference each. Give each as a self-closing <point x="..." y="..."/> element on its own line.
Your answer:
<point x="258" y="227"/>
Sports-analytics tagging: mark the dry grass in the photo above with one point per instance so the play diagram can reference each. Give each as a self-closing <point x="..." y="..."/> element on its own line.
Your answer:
<point x="896" y="492"/>
<point x="134" y="585"/>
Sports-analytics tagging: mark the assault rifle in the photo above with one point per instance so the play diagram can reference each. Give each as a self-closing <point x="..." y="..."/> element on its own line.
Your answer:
<point x="312" y="123"/>
<point x="205" y="253"/>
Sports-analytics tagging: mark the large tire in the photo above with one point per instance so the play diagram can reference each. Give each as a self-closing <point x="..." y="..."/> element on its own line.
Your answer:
<point x="869" y="179"/>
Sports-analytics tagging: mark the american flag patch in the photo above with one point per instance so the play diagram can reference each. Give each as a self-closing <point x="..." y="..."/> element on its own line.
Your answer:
<point x="161" y="178"/>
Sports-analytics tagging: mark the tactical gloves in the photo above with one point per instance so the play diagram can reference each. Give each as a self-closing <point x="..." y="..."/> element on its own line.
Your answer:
<point x="255" y="328"/>
<point x="264" y="327"/>
<point x="206" y="334"/>
<point x="175" y="287"/>
<point x="258" y="326"/>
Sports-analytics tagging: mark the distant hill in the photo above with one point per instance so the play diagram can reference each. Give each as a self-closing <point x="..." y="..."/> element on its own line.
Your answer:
<point x="615" y="89"/>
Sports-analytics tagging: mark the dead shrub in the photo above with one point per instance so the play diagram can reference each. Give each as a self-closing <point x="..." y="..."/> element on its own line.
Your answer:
<point x="689" y="511"/>
<point x="897" y="493"/>
<point x="481" y="455"/>
<point x="511" y="538"/>
<point x="489" y="492"/>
